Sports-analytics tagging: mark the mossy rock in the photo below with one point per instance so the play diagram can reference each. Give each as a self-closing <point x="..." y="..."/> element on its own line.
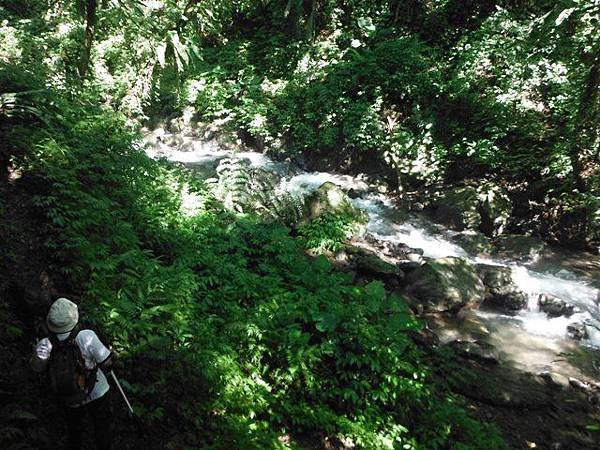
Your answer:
<point x="517" y="246"/>
<point x="502" y="294"/>
<point x="445" y="284"/>
<point x="369" y="264"/>
<point x="458" y="208"/>
<point x="473" y="242"/>
<point x="330" y="198"/>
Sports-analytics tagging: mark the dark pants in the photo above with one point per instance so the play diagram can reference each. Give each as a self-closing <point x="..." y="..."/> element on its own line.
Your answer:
<point x="100" y="412"/>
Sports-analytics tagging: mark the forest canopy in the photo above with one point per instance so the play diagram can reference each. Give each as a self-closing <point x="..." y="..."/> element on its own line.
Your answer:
<point x="424" y="90"/>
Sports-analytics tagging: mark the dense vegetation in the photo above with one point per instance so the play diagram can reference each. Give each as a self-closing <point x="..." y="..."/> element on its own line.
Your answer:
<point x="231" y="336"/>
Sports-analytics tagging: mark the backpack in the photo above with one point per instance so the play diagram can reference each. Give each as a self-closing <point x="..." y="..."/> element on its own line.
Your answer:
<point x="70" y="379"/>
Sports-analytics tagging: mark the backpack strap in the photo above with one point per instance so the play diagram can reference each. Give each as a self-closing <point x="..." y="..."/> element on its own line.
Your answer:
<point x="69" y="340"/>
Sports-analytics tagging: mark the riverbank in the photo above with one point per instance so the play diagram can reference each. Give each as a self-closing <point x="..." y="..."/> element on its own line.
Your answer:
<point x="518" y="377"/>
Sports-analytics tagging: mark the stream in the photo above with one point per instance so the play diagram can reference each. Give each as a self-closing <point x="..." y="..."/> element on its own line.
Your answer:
<point x="529" y="339"/>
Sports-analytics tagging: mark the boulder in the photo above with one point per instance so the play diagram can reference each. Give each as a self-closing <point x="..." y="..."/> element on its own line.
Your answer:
<point x="508" y="302"/>
<point x="457" y="208"/>
<point x="412" y="261"/>
<point x="577" y="331"/>
<point x="475" y="350"/>
<point x="445" y="284"/>
<point x="554" y="380"/>
<point x="367" y="264"/>
<point x="353" y="193"/>
<point x="473" y="242"/>
<point x="395" y="250"/>
<point x="501" y="293"/>
<point x="174" y="140"/>
<point x="581" y="385"/>
<point x="401" y="255"/>
<point x="516" y="246"/>
<point x="554" y="306"/>
<point x="330" y="198"/>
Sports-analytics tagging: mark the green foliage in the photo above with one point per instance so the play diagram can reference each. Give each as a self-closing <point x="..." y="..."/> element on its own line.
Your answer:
<point x="267" y="342"/>
<point x="327" y="232"/>
<point x="263" y="340"/>
<point x="246" y="189"/>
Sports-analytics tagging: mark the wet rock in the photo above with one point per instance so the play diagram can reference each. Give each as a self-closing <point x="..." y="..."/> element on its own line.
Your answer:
<point x="554" y="380"/>
<point x="177" y="124"/>
<point x="353" y="193"/>
<point x="369" y="238"/>
<point x="508" y="302"/>
<point x="190" y="145"/>
<point x="445" y="284"/>
<point x="473" y="242"/>
<point x="367" y="264"/>
<point x="424" y="338"/>
<point x="457" y="208"/>
<point x="501" y="294"/>
<point x="401" y="255"/>
<point x="578" y="384"/>
<point x="554" y="306"/>
<point x="388" y="248"/>
<point x="476" y="350"/>
<point x="518" y="246"/>
<point x="413" y="261"/>
<point x="417" y="206"/>
<point x="577" y="331"/>
<point x="174" y="140"/>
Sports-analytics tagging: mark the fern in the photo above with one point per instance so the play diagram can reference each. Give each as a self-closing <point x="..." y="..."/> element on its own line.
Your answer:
<point x="244" y="189"/>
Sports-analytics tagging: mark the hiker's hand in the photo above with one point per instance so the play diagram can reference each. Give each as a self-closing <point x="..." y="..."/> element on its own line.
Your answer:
<point x="112" y="363"/>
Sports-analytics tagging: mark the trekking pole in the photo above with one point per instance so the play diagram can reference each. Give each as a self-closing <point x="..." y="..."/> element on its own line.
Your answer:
<point x="121" y="391"/>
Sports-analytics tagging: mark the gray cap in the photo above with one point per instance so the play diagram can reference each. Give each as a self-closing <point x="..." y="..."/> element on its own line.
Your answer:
<point x="62" y="316"/>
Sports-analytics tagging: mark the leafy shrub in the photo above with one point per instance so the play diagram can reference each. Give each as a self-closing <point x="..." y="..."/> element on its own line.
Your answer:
<point x="327" y="232"/>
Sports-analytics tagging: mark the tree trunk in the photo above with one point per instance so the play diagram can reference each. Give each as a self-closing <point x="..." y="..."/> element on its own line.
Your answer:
<point x="584" y="158"/>
<point x="90" y="30"/>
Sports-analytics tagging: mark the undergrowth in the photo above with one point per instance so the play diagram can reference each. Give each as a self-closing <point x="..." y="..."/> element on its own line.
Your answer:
<point x="330" y="231"/>
<point x="231" y="336"/>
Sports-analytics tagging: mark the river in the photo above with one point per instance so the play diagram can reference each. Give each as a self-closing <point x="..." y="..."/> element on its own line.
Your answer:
<point x="529" y="339"/>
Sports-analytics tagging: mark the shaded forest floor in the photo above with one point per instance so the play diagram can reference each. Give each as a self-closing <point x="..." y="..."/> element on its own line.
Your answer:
<point x="29" y="417"/>
<point x="529" y="412"/>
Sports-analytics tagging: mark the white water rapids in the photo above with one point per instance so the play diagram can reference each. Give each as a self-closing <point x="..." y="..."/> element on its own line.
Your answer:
<point x="535" y="338"/>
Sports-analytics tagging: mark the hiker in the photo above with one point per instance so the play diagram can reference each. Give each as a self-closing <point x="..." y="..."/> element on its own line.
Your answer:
<point x="76" y="360"/>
